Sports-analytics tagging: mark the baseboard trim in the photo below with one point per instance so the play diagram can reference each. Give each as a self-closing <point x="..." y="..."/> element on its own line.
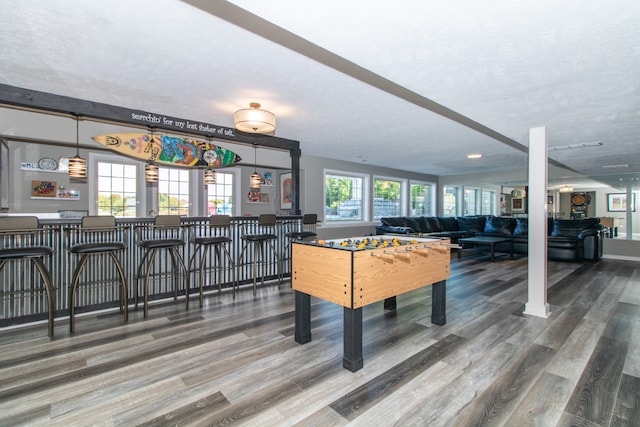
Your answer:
<point x="621" y="257"/>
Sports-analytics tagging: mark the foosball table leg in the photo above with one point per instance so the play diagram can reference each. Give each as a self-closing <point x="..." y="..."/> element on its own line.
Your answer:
<point x="438" y="303"/>
<point x="352" y="359"/>
<point x="390" y="303"/>
<point x="303" y="317"/>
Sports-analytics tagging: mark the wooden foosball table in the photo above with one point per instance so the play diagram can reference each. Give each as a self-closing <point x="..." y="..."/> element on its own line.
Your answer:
<point x="359" y="271"/>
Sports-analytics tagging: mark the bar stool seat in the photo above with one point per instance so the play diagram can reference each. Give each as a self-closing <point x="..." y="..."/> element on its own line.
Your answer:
<point x="20" y="240"/>
<point x="265" y="236"/>
<point x="166" y="233"/>
<point x="307" y="231"/>
<point x="219" y="227"/>
<point x="98" y="235"/>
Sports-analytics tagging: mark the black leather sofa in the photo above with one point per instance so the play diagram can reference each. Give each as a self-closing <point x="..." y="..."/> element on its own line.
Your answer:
<point x="567" y="240"/>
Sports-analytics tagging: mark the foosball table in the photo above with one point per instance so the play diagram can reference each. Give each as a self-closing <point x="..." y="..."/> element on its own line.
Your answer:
<point x="359" y="271"/>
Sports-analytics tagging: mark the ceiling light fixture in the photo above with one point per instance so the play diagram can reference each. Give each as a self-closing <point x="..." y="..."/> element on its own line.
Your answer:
<point x="254" y="120"/>
<point x="77" y="165"/>
<point x="474" y="156"/>
<point x="256" y="179"/>
<point x="573" y="146"/>
<point x="566" y="189"/>
<point x="209" y="177"/>
<point x="150" y="169"/>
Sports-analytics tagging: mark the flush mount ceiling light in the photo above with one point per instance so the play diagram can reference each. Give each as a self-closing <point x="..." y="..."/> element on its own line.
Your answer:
<point x="474" y="156"/>
<point x="254" y="120"/>
<point x="77" y="165"/>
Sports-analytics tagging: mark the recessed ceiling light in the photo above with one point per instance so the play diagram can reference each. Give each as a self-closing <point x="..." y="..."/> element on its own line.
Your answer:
<point x="474" y="156"/>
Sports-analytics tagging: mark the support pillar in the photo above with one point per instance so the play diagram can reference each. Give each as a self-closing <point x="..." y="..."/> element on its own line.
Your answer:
<point x="537" y="212"/>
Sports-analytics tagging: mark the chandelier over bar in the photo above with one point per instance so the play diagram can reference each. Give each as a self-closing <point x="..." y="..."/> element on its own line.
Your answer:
<point x="254" y="120"/>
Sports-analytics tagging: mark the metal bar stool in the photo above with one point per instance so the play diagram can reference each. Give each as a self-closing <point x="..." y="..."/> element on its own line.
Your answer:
<point x="98" y="235"/>
<point x="166" y="233"/>
<point x="217" y="237"/>
<point x="21" y="239"/>
<point x="307" y="230"/>
<point x="265" y="235"/>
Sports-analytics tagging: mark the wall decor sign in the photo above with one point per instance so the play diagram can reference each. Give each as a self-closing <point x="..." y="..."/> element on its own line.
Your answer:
<point x="286" y="190"/>
<point x="617" y="202"/>
<point x="517" y="204"/>
<point x="43" y="189"/>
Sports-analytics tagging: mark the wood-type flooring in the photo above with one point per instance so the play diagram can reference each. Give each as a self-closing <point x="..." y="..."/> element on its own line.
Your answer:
<point x="235" y="362"/>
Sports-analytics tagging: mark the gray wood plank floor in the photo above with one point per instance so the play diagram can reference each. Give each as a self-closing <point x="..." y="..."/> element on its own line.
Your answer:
<point x="236" y="362"/>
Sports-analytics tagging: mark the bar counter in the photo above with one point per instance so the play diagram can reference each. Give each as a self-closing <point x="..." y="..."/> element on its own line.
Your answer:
<point x="98" y="288"/>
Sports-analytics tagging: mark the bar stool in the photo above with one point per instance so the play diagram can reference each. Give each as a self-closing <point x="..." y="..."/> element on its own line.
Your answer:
<point x="166" y="233"/>
<point x="218" y="238"/>
<point x="98" y="235"/>
<point x="266" y="235"/>
<point x="306" y="231"/>
<point x="20" y="240"/>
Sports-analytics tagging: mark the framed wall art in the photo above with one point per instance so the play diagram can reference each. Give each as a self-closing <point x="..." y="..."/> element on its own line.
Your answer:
<point x="286" y="190"/>
<point x="517" y="204"/>
<point x="617" y="202"/>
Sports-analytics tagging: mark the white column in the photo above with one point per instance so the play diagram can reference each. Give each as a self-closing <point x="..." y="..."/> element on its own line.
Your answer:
<point x="629" y="222"/>
<point x="537" y="199"/>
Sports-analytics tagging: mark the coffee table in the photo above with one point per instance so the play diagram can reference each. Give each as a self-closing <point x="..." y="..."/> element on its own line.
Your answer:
<point x="489" y="241"/>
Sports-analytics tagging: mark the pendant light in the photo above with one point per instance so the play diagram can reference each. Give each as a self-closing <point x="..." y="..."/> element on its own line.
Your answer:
<point x="256" y="179"/>
<point x="209" y="177"/>
<point x="150" y="169"/>
<point x="77" y="165"/>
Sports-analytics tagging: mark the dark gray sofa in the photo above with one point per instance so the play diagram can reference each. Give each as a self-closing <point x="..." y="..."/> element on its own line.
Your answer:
<point x="567" y="240"/>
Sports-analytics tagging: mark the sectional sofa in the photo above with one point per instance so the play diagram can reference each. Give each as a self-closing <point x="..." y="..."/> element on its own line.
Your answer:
<point x="567" y="240"/>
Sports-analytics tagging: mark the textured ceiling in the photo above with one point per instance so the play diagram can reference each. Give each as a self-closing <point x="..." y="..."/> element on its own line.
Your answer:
<point x="359" y="79"/>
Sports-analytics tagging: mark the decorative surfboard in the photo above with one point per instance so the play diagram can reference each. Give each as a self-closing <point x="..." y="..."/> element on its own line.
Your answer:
<point x="168" y="149"/>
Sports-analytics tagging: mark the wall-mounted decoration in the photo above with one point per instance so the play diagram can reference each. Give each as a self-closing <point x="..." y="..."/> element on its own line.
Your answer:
<point x="517" y="204"/>
<point x="63" y="193"/>
<point x="617" y="202"/>
<point x="46" y="164"/>
<point x="264" y="197"/>
<point x="43" y="189"/>
<point x="169" y="150"/>
<point x="267" y="179"/>
<point x="286" y="190"/>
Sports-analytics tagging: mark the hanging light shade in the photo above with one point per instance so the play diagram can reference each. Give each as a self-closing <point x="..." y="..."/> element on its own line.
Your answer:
<point x="256" y="179"/>
<point x="209" y="177"/>
<point x="151" y="172"/>
<point x="77" y="165"/>
<point x="254" y="120"/>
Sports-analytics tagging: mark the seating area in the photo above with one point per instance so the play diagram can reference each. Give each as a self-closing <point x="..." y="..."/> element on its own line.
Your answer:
<point x="56" y="268"/>
<point x="568" y="240"/>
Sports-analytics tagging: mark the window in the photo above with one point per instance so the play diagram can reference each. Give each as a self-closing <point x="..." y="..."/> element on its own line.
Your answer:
<point x="343" y="197"/>
<point x="173" y="191"/>
<point x="220" y="195"/>
<point x="450" y="201"/>
<point x="488" y="202"/>
<point x="386" y="197"/>
<point x="420" y="199"/>
<point x="117" y="189"/>
<point x="470" y="201"/>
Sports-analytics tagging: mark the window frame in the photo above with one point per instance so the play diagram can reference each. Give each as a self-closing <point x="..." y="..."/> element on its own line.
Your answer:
<point x="366" y="196"/>
<point x="402" y="200"/>
<point x="235" y="190"/>
<point x="92" y="177"/>
<point x="432" y="197"/>
<point x="190" y="192"/>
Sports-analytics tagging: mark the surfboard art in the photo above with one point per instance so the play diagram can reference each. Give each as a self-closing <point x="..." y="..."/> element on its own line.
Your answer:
<point x="169" y="150"/>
